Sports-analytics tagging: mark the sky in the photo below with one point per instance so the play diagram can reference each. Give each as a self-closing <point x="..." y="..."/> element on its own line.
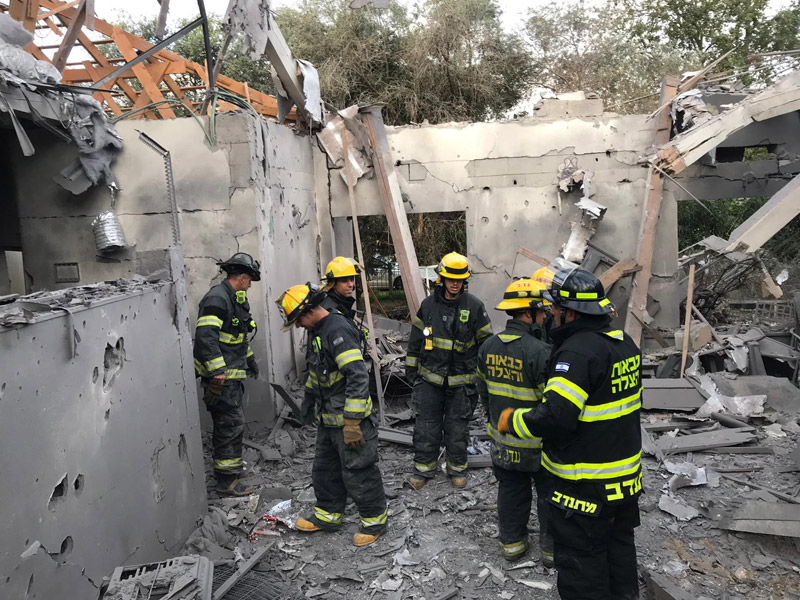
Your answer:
<point x="109" y="10"/>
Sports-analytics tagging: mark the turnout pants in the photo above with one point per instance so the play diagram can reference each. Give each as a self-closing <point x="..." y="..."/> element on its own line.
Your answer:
<point x="340" y="470"/>
<point x="228" y="417"/>
<point x="514" y="497"/>
<point x="596" y="556"/>
<point x="441" y="412"/>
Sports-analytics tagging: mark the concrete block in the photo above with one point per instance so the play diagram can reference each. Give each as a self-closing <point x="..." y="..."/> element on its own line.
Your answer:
<point x="568" y="109"/>
<point x="232" y="128"/>
<point x="700" y="334"/>
<point x="240" y="164"/>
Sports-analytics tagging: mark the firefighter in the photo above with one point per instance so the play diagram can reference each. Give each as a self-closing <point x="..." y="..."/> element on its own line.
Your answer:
<point x="589" y="420"/>
<point x="442" y="357"/>
<point x="337" y="393"/>
<point x="512" y="371"/>
<point x="340" y="285"/>
<point x="222" y="360"/>
<point x="545" y="277"/>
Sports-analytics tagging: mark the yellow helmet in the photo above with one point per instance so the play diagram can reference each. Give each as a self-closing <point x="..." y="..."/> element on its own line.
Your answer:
<point x="453" y="266"/>
<point x="297" y="300"/>
<point x="523" y="293"/>
<point x="544" y="275"/>
<point x="341" y="266"/>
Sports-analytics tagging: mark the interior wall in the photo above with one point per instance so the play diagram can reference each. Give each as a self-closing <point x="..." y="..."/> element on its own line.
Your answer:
<point x="103" y="463"/>
<point x="504" y="176"/>
<point x="234" y="197"/>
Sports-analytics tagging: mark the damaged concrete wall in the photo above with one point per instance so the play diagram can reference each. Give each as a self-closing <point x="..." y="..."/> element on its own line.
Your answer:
<point x="102" y="457"/>
<point x="504" y="175"/>
<point x="225" y="196"/>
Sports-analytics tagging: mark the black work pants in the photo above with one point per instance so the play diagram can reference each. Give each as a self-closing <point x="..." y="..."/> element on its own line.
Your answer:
<point x="340" y="470"/>
<point x="441" y="412"/>
<point x="596" y="556"/>
<point x="514" y="497"/>
<point x="228" y="417"/>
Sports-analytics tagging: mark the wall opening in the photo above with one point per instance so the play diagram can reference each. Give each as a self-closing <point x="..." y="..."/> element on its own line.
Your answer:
<point x="59" y="493"/>
<point x="113" y="362"/>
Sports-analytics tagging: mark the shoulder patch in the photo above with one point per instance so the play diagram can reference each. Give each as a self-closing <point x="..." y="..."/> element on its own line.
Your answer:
<point x="338" y="341"/>
<point x="562" y="367"/>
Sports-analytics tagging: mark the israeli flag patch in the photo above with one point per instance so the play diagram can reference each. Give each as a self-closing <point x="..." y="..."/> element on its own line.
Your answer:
<point x="562" y="367"/>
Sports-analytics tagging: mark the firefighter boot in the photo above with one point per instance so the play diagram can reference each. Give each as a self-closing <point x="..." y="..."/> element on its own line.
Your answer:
<point x="232" y="487"/>
<point x="417" y="481"/>
<point x="365" y="539"/>
<point x="514" y="550"/>
<point x="458" y="481"/>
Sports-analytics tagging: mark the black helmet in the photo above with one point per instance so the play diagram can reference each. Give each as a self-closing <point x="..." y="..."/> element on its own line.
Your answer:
<point x="241" y="262"/>
<point x="581" y="291"/>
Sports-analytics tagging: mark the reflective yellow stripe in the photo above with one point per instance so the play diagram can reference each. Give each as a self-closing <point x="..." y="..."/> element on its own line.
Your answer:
<point x="514" y="548"/>
<point x="209" y="321"/>
<point x="503" y="439"/>
<point x="454" y="380"/>
<point x="513" y="391"/>
<point x="227" y="338"/>
<point x="442" y="343"/>
<point x="333" y="377"/>
<point x="456" y="468"/>
<point x="609" y="470"/>
<point x="250" y="352"/>
<point x="425" y="467"/>
<point x="430" y="376"/>
<point x="520" y="428"/>
<point x="586" y="296"/>
<point x="567" y="389"/>
<point x="310" y="385"/>
<point x="484" y="331"/>
<point x="411" y="361"/>
<point x="235" y="374"/>
<point x="215" y="363"/>
<point x="224" y="464"/>
<point x="508" y="338"/>
<point x="375" y="521"/>
<point x="417" y="322"/>
<point x="199" y="368"/>
<point x="352" y="405"/>
<point x="617" y="334"/>
<point x="604" y="302"/>
<point x="612" y="410"/>
<point x="327" y="517"/>
<point x="348" y="356"/>
<point x="333" y="420"/>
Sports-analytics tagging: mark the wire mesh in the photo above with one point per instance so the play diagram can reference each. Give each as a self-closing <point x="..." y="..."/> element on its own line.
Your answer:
<point x="256" y="585"/>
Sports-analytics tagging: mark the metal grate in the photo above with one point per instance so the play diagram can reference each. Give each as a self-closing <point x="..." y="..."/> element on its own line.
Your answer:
<point x="256" y="585"/>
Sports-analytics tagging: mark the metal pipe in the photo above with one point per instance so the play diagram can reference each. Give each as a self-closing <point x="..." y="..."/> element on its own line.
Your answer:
<point x="207" y="42"/>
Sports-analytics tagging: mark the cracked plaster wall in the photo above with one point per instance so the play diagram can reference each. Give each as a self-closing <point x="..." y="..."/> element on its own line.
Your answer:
<point x="235" y="197"/>
<point x="127" y="454"/>
<point x="503" y="176"/>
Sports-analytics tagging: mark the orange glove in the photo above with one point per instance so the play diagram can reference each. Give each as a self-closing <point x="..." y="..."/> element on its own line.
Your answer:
<point x="352" y="433"/>
<point x="503" y="425"/>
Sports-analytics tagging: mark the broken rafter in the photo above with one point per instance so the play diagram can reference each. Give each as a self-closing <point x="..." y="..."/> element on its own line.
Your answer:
<point x="159" y="76"/>
<point x="688" y="147"/>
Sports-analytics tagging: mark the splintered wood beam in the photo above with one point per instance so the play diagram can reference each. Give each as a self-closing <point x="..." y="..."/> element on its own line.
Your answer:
<point x="55" y="11"/>
<point x="142" y="74"/>
<point x="104" y="97"/>
<point x="637" y="303"/>
<point x="389" y="187"/>
<point x="70" y="37"/>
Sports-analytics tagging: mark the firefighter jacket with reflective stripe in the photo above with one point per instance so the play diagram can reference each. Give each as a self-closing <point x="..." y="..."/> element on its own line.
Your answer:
<point x="445" y="337"/>
<point x="512" y="371"/>
<point x="338" y="380"/>
<point x="220" y="338"/>
<point x="589" y="417"/>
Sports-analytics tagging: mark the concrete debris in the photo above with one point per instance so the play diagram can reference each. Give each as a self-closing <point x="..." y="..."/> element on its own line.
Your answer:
<point x="184" y="577"/>
<point x="690" y="110"/>
<point x="331" y="137"/>
<point x="250" y="18"/>
<point x="677" y="507"/>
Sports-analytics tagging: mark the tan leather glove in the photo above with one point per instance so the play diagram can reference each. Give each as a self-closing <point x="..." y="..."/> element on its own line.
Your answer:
<point x="352" y="433"/>
<point x="503" y="425"/>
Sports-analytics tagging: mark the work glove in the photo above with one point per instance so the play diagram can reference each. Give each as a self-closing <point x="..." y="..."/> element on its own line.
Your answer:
<point x="352" y="433"/>
<point x="503" y="425"/>
<point x="252" y="367"/>
<point x="214" y="390"/>
<point x="307" y="411"/>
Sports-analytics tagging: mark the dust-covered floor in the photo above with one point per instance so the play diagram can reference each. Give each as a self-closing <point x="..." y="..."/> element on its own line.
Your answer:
<point x="442" y="543"/>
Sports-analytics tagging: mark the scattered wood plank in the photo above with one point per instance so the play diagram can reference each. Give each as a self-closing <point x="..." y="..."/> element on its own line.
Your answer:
<point x="387" y="434"/>
<point x="661" y="588"/>
<point x="768" y="518"/>
<point x="779" y="495"/>
<point x="670" y="394"/>
<point x="695" y="442"/>
<point x="742" y="450"/>
<point x="627" y="266"/>
<point x="670" y="425"/>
